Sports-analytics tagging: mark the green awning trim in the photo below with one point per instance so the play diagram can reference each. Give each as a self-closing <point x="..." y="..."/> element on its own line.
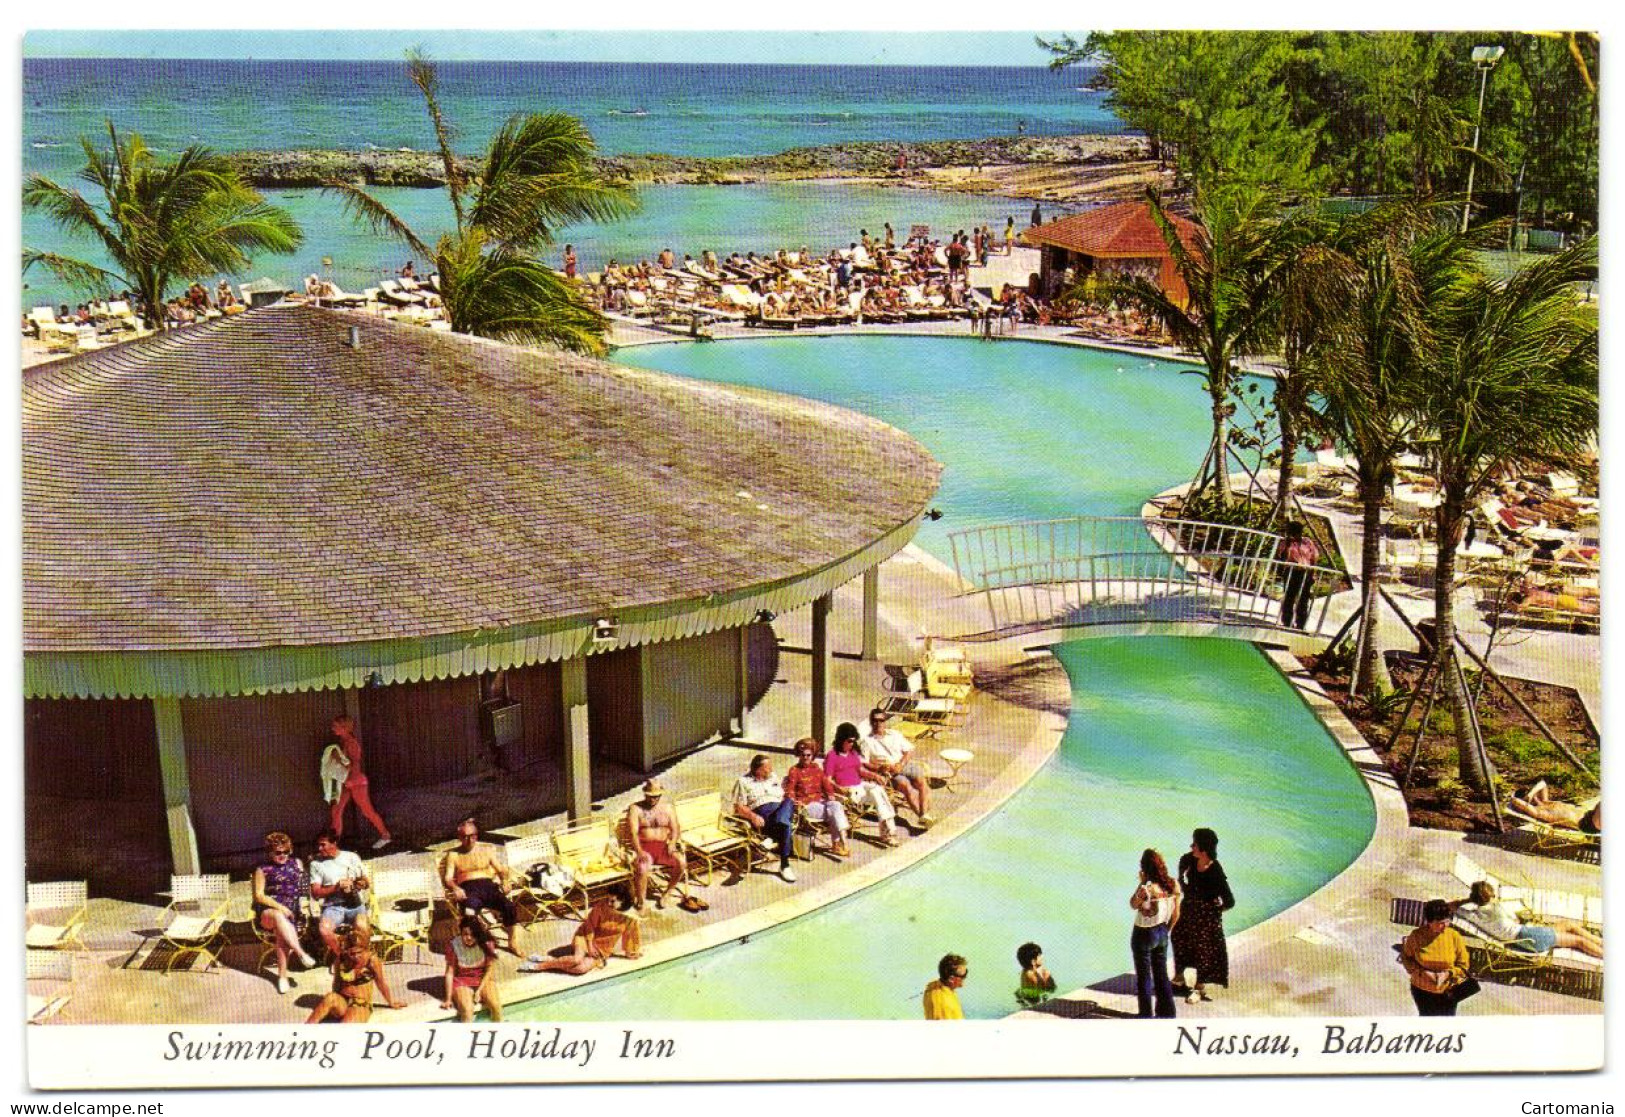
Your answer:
<point x="279" y="670"/>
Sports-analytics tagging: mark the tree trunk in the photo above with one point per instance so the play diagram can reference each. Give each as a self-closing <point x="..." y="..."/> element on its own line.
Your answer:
<point x="1364" y="681"/>
<point x="1286" y="416"/>
<point x="1221" y="444"/>
<point x="1470" y="764"/>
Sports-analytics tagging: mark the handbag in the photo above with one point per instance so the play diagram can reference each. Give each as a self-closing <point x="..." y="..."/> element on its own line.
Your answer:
<point x="1467" y="987"/>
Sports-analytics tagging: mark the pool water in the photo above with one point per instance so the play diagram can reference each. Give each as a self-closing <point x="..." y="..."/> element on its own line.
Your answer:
<point x="1025" y="430"/>
<point x="1166" y="734"/>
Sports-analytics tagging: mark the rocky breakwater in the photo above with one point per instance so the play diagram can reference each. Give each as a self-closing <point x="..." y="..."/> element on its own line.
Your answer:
<point x="1025" y="166"/>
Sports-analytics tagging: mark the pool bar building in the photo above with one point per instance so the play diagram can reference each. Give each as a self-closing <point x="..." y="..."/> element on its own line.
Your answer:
<point x="236" y="532"/>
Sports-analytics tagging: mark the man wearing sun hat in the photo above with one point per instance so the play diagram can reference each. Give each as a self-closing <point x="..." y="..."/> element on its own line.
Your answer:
<point x="656" y="834"/>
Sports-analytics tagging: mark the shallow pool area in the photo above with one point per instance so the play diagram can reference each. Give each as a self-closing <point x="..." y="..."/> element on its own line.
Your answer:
<point x="1166" y="734"/>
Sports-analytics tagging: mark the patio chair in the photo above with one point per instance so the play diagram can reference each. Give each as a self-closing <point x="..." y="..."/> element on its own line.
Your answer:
<point x="266" y="936"/>
<point x="194" y="921"/>
<point x="50" y="984"/>
<point x="522" y="855"/>
<point x="402" y="910"/>
<point x="56" y="912"/>
<point x="1560" y="841"/>
<point x="594" y="856"/>
<point x="711" y="836"/>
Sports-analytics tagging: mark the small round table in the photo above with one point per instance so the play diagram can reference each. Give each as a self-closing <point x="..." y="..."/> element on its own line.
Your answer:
<point x="955" y="759"/>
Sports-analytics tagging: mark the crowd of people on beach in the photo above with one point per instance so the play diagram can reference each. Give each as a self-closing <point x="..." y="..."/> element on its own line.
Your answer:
<point x="874" y="279"/>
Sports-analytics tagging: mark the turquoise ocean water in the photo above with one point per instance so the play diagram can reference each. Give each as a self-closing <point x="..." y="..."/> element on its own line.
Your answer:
<point x="677" y="109"/>
<point x="1165" y="734"/>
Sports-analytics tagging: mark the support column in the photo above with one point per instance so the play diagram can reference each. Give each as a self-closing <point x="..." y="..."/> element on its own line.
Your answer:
<point x="577" y="756"/>
<point x="820" y="667"/>
<point x="742" y="681"/>
<point x="871" y="614"/>
<point x="183" y="850"/>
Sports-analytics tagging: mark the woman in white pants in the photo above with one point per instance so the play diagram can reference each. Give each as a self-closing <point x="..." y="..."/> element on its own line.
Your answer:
<point x="844" y="767"/>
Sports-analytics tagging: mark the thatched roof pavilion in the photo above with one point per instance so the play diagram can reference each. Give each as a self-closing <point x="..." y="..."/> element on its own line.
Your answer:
<point x="297" y="500"/>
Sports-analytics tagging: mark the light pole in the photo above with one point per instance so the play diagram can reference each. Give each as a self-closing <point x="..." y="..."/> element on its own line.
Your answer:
<point x="1485" y="59"/>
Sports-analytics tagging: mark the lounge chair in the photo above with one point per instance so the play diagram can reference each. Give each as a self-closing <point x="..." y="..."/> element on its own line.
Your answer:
<point x="50" y="984"/>
<point x="402" y="909"/>
<point x="523" y="854"/>
<point x="711" y="835"/>
<point x="594" y="856"/>
<point x="1545" y="903"/>
<point x="392" y="293"/>
<point x="1558" y="841"/>
<point x="56" y="912"/>
<point x="194" y="921"/>
<point x="337" y="296"/>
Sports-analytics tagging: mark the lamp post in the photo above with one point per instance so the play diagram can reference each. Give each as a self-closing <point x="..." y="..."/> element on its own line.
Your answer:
<point x="1485" y="59"/>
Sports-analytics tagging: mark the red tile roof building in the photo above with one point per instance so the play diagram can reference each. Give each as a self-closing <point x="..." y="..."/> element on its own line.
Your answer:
<point x="1112" y="239"/>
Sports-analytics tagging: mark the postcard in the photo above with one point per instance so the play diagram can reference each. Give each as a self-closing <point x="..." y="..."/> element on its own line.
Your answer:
<point x="648" y="556"/>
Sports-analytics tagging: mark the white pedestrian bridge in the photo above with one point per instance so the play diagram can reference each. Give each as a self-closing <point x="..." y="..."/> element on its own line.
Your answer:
<point x="1147" y="575"/>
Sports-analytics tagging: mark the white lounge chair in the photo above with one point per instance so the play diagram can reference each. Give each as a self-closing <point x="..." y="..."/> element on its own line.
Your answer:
<point x="50" y="984"/>
<point x="56" y="912"/>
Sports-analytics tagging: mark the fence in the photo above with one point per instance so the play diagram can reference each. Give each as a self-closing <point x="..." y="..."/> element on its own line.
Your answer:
<point x="1091" y="570"/>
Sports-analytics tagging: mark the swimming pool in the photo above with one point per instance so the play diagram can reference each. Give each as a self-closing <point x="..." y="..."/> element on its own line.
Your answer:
<point x="1166" y="734"/>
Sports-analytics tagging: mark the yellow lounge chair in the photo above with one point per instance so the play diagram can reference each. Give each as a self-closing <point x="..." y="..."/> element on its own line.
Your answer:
<point x="594" y="855"/>
<point x="402" y="910"/>
<point x="710" y="836"/>
<point x="520" y="855"/>
<point x="194" y="921"/>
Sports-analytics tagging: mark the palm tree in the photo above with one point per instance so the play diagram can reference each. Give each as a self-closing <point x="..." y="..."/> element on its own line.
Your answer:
<point x="539" y="174"/>
<point x="1393" y="263"/>
<point x="1515" y="385"/>
<point x="1230" y="275"/>
<point x="1317" y="282"/>
<point x="159" y="222"/>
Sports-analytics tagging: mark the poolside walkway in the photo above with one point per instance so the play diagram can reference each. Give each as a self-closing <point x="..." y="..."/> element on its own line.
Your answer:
<point x="1014" y="723"/>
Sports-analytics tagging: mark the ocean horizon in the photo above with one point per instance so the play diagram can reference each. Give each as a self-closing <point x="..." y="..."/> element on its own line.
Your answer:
<point x="688" y="109"/>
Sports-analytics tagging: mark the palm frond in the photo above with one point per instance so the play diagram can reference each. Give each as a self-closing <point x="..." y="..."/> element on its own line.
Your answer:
<point x="424" y="76"/>
<point x="363" y="206"/>
<point x="78" y="274"/>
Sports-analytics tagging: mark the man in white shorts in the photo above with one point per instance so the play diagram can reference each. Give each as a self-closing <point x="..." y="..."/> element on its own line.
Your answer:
<point x="890" y="756"/>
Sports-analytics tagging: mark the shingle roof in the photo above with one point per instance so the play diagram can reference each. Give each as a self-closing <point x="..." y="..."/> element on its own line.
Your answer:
<point x="1124" y="230"/>
<point x="258" y="482"/>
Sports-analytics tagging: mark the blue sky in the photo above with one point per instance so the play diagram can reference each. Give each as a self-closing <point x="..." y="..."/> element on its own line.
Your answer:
<point x="985" y="48"/>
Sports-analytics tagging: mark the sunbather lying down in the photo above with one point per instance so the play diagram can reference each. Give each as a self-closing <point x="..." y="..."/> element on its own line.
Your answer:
<point x="605" y="928"/>
<point x="1537" y="803"/>
<point x="1497" y="919"/>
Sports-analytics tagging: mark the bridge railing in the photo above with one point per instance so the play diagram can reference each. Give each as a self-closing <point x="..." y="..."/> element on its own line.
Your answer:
<point x="1113" y="570"/>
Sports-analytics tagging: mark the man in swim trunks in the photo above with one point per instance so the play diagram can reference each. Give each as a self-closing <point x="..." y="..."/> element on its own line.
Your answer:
<point x="477" y="880"/>
<point x="656" y="834"/>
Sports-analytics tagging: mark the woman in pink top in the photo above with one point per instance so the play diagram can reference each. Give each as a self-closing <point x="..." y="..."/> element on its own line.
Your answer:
<point x="844" y="767"/>
<point x="1300" y="554"/>
<point x="355" y="784"/>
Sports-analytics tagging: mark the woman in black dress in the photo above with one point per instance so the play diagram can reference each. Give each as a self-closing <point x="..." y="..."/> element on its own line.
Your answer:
<point x="1200" y="957"/>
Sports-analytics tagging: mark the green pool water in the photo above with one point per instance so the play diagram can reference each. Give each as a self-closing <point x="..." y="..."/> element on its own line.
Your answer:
<point x="1166" y="734"/>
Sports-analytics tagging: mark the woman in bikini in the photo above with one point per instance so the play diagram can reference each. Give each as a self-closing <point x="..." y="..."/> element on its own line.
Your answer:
<point x="594" y="941"/>
<point x="471" y="959"/>
<point x="356" y="970"/>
